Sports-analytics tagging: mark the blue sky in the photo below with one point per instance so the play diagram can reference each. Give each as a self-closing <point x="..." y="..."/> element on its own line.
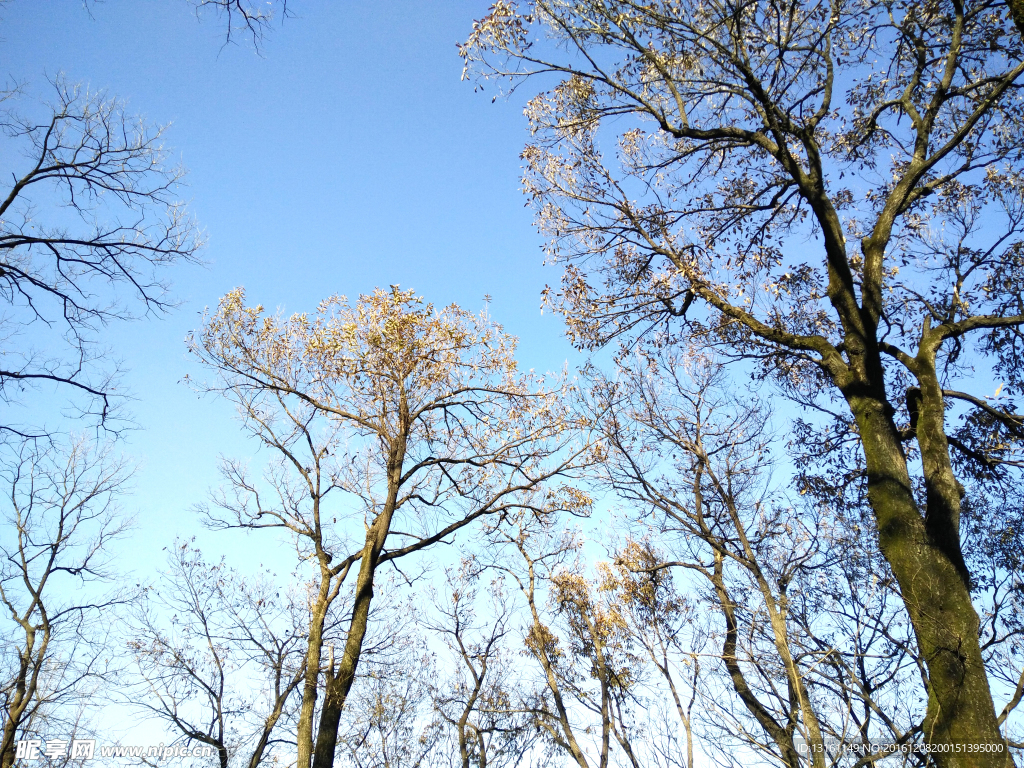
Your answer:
<point x="348" y="156"/>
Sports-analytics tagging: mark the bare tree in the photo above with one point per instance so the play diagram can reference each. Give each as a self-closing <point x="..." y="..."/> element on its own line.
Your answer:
<point x="405" y="424"/>
<point x="665" y="625"/>
<point x="828" y="189"/>
<point x="224" y="670"/>
<point x="86" y="226"/>
<point x="251" y="19"/>
<point x="584" y="672"/>
<point x="812" y="637"/>
<point x="61" y="515"/>
<point x="715" y="497"/>
<point x="389" y="721"/>
<point x="479" y="700"/>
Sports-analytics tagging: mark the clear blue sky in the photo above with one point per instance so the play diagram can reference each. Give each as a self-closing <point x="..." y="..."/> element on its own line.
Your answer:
<point x="348" y="156"/>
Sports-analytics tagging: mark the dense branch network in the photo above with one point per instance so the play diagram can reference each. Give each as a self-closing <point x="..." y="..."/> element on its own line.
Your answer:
<point x="87" y="224"/>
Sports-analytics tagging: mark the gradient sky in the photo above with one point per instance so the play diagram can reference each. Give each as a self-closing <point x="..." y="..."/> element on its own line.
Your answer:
<point x="348" y="156"/>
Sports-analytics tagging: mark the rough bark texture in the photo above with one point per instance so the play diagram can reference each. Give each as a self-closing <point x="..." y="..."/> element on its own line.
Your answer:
<point x="960" y="708"/>
<point x="1017" y="11"/>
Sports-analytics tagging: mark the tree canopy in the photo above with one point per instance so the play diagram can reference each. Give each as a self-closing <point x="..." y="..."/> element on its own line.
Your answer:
<point x="828" y="190"/>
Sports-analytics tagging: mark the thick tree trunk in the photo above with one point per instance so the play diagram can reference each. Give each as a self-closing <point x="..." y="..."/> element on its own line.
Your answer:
<point x="942" y="511"/>
<point x="960" y="712"/>
<point x="1017" y="12"/>
<point x="923" y="550"/>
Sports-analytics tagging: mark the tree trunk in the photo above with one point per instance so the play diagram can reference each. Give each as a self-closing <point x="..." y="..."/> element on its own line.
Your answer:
<point x="314" y="654"/>
<point x="24" y="690"/>
<point x="960" y="711"/>
<point x="9" y="744"/>
<point x="923" y="550"/>
<point x="1017" y="12"/>
<point x="339" y="685"/>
